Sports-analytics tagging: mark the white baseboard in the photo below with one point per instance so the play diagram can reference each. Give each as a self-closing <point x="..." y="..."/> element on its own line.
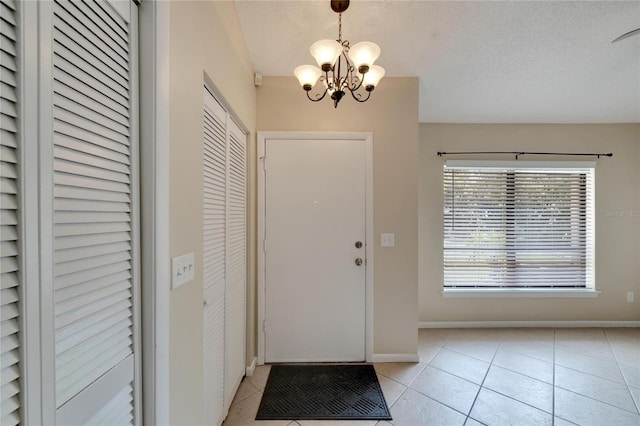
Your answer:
<point x="395" y="358"/>
<point x="251" y="368"/>
<point x="526" y="324"/>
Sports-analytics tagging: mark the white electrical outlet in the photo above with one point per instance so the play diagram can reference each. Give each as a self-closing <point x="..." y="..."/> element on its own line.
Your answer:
<point x="183" y="269"/>
<point x="387" y="240"/>
<point x="630" y="296"/>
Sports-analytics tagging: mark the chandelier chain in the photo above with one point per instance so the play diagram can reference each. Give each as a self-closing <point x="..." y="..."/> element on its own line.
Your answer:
<point x="340" y="28"/>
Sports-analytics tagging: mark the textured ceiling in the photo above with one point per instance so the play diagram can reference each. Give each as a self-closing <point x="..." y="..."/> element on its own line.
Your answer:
<point x="478" y="61"/>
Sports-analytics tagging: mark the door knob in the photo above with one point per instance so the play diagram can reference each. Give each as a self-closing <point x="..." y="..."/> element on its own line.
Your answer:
<point x="358" y="244"/>
<point x="358" y="261"/>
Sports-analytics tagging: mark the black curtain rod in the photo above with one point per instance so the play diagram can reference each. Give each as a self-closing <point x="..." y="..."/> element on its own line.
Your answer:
<point x="519" y="153"/>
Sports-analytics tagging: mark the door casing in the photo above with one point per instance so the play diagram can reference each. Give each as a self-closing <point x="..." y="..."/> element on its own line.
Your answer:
<point x="263" y="138"/>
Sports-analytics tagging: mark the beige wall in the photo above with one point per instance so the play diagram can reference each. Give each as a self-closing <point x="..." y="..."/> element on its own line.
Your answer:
<point x="392" y="115"/>
<point x="617" y="238"/>
<point x="205" y="37"/>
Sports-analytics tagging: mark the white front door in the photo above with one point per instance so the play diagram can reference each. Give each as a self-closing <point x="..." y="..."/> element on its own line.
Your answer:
<point x="315" y="233"/>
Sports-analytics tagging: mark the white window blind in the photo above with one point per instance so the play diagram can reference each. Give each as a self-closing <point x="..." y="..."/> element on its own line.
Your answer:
<point x="9" y="218"/>
<point x="518" y="224"/>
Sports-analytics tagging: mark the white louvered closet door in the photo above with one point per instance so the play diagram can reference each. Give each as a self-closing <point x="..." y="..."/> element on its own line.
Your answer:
<point x="224" y="259"/>
<point x="95" y="196"/>
<point x="214" y="200"/>
<point x="9" y="218"/>
<point x="235" y="313"/>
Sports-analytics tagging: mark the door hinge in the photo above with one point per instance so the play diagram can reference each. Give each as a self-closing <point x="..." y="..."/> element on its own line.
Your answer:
<point x="264" y="326"/>
<point x="264" y="163"/>
<point x="264" y="245"/>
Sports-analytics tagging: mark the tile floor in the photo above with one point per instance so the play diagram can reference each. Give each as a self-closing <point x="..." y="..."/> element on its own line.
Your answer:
<point x="498" y="377"/>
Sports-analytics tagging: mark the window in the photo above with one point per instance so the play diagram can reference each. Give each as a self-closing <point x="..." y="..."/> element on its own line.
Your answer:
<point x="518" y="225"/>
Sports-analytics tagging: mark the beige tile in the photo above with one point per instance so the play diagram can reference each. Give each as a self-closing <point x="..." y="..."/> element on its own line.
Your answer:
<point x="557" y="421"/>
<point x="482" y="350"/>
<point x="434" y="336"/>
<point x="635" y="393"/>
<point x="260" y="376"/>
<point x="627" y="352"/>
<point x="427" y="351"/>
<point x="402" y="372"/>
<point x="523" y="364"/>
<point x="245" y="390"/>
<point x="613" y="393"/>
<point x="588" y="412"/>
<point x="413" y="409"/>
<point x="631" y="373"/>
<point x="600" y="350"/>
<point x="534" y="349"/>
<point x="476" y="335"/>
<point x="580" y="335"/>
<point x="491" y="408"/>
<point x="244" y="414"/>
<point x="472" y="422"/>
<point x="446" y="388"/>
<point x="391" y="389"/>
<point x="463" y="366"/>
<point x="590" y="365"/>
<point x="337" y="422"/>
<point x="534" y="335"/>
<point x="522" y="388"/>
<point x="587" y="341"/>
<point x="623" y="333"/>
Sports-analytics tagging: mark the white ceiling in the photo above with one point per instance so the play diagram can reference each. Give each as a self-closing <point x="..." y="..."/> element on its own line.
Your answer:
<point x="478" y="61"/>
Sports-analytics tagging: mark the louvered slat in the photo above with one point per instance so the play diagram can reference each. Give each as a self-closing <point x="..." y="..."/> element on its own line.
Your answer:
<point x="214" y="217"/>
<point x="10" y="368"/>
<point x="517" y="226"/>
<point x="214" y="205"/>
<point x="93" y="224"/>
<point x="235" y="304"/>
<point x="213" y="351"/>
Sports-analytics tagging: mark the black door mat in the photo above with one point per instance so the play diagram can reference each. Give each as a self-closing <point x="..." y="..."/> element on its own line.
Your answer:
<point x="323" y="392"/>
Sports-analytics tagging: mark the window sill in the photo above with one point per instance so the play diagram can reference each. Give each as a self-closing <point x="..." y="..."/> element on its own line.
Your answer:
<point x="514" y="292"/>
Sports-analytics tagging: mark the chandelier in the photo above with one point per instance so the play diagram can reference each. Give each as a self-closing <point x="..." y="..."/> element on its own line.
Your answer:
<point x="335" y="57"/>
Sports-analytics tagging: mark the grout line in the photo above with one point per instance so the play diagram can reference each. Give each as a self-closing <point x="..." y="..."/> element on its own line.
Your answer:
<point x="483" y="379"/>
<point x="526" y="375"/>
<point x="589" y="397"/>
<point x="597" y="377"/>
<point x="597" y="400"/>
<point x="471" y="356"/>
<point x="636" y="404"/>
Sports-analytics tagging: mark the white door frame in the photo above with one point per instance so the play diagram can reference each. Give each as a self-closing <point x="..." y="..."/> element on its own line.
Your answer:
<point x="367" y="137"/>
<point x="154" y="181"/>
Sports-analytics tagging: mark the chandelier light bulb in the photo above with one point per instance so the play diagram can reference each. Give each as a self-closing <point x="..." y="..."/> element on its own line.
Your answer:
<point x="307" y="75"/>
<point x="326" y="53"/>
<point x="363" y="55"/>
<point x="372" y="77"/>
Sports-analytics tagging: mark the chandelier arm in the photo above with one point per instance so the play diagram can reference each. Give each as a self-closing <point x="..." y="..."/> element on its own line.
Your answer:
<point x="357" y="96"/>
<point x="318" y="97"/>
<point x="360" y="81"/>
<point x="351" y="72"/>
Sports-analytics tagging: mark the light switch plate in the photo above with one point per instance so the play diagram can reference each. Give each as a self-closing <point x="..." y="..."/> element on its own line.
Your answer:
<point x="183" y="269"/>
<point x="387" y="240"/>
